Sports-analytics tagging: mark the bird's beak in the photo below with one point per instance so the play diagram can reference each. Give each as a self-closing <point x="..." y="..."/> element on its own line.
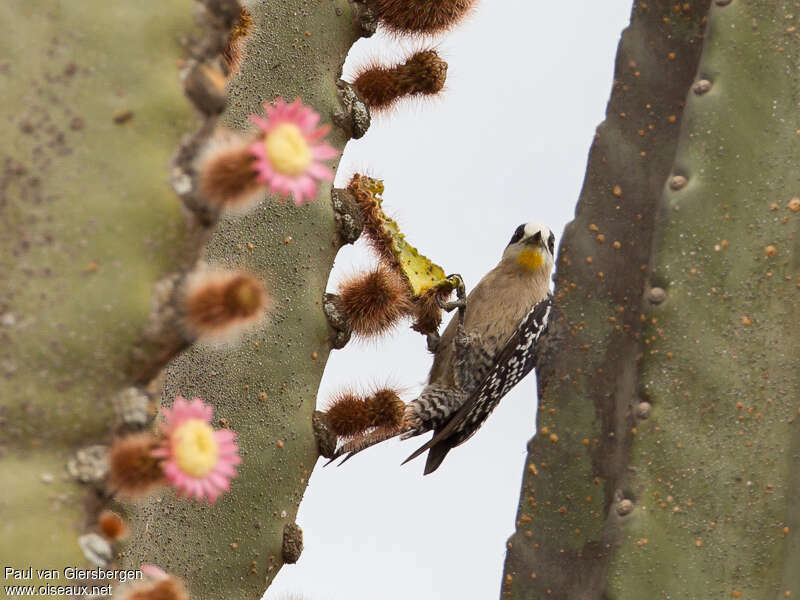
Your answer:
<point x="540" y="242"/>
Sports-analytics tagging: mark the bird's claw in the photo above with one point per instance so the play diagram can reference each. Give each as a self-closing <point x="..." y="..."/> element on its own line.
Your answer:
<point x="433" y="341"/>
<point x="461" y="298"/>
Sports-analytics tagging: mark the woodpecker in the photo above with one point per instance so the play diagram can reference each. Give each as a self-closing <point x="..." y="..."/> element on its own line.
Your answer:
<point x="483" y="352"/>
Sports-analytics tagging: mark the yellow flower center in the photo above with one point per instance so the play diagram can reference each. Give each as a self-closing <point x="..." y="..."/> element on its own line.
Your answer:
<point x="287" y="149"/>
<point x="530" y="258"/>
<point x="195" y="447"/>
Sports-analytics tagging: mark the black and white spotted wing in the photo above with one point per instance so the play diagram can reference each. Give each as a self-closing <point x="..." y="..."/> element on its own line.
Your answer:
<point x="514" y="361"/>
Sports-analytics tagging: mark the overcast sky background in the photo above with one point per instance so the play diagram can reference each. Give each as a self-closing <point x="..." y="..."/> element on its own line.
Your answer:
<point x="506" y="143"/>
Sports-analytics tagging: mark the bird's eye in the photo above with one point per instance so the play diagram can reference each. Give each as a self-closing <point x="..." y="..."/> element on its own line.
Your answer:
<point x="520" y="231"/>
<point x="551" y="243"/>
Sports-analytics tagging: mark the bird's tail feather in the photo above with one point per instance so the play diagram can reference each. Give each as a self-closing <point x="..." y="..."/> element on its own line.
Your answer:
<point x="358" y="444"/>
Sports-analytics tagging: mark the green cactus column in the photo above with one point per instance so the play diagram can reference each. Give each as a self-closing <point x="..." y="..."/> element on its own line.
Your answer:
<point x="667" y="460"/>
<point x="92" y="111"/>
<point x="714" y="477"/>
<point x="97" y="139"/>
<point x="265" y="384"/>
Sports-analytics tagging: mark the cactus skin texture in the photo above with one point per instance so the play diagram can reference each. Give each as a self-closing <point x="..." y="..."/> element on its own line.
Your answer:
<point x="676" y="469"/>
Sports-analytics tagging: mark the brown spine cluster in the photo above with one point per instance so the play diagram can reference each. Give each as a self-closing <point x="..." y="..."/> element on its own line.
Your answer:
<point x="234" y="48"/>
<point x="427" y="312"/>
<point x="217" y="303"/>
<point x="134" y="471"/>
<point x="350" y="414"/>
<point x="424" y="73"/>
<point x="112" y="525"/>
<point x="226" y="175"/>
<point x="373" y="302"/>
<point x="421" y="16"/>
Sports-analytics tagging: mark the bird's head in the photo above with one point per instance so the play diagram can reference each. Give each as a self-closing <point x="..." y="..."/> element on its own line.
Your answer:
<point x="531" y="248"/>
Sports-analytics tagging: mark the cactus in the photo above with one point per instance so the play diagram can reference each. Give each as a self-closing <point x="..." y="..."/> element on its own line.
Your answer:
<point x="666" y="461"/>
<point x="92" y="105"/>
<point x="137" y="236"/>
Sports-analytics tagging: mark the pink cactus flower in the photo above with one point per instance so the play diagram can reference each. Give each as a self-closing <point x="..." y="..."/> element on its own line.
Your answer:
<point x="198" y="460"/>
<point x="153" y="571"/>
<point x="290" y="149"/>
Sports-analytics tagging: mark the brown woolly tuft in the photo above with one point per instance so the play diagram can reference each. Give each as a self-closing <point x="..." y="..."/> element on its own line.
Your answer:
<point x="420" y="16"/>
<point x="427" y="311"/>
<point x="373" y="302"/>
<point x="169" y="588"/>
<point x="112" y="525"/>
<point x="379" y="239"/>
<point x="350" y="415"/>
<point x="386" y="409"/>
<point x="234" y="49"/>
<point x="218" y="303"/>
<point x="227" y="178"/>
<point x="424" y="73"/>
<point x="134" y="471"/>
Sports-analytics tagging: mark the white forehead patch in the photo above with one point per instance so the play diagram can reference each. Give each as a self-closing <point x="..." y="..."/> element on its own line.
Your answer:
<point x="532" y="227"/>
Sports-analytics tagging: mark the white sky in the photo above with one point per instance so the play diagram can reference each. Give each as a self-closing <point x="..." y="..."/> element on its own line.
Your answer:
<point x="507" y="143"/>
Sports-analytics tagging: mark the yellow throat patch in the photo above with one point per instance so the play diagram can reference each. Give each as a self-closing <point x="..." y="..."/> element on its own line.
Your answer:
<point x="530" y="258"/>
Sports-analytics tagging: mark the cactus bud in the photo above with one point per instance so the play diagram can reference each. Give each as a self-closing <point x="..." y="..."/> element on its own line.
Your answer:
<point x="373" y="302"/>
<point x="221" y="303"/>
<point x="420" y="16"/>
<point x="112" y="525"/>
<point x="424" y="73"/>
<point x="226" y="173"/>
<point x="134" y="470"/>
<point x="386" y="408"/>
<point x="350" y="415"/>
